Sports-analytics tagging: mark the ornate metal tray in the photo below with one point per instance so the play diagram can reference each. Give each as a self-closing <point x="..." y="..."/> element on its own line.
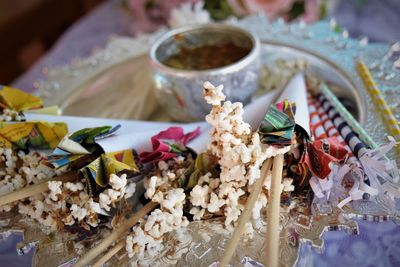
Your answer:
<point x="119" y="78"/>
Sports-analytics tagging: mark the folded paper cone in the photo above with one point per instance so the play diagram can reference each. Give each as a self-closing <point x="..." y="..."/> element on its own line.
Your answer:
<point x="296" y="91"/>
<point x="255" y="111"/>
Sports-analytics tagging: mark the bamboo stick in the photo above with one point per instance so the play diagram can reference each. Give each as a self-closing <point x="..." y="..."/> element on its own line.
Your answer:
<point x="115" y="235"/>
<point x="114" y="250"/>
<point x="246" y="214"/>
<point x="274" y="202"/>
<point x="35" y="189"/>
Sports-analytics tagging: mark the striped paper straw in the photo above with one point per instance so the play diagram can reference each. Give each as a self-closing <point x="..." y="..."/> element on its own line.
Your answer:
<point x="356" y="145"/>
<point x="317" y="128"/>
<point x="381" y="106"/>
<point x="345" y="114"/>
<point x="331" y="130"/>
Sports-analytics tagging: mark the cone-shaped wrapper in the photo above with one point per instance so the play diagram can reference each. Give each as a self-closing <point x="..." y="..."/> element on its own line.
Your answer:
<point x="295" y="91"/>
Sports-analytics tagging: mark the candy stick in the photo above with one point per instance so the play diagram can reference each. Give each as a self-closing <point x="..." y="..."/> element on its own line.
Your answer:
<point x="331" y="130"/>
<point x="114" y="250"/>
<point x="35" y="189"/>
<point x="115" y="235"/>
<point x="317" y="127"/>
<point x="381" y="106"/>
<point x="274" y="204"/>
<point x="364" y="136"/>
<point x="356" y="145"/>
<point x="246" y="214"/>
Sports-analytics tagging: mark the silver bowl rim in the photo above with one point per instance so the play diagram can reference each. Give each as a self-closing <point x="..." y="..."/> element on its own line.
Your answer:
<point x="250" y="58"/>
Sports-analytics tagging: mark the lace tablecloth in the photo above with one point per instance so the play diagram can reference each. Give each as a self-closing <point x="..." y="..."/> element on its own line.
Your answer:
<point x="378" y="243"/>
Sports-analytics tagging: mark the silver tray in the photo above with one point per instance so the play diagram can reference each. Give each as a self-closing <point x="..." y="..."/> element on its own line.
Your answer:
<point x="116" y="83"/>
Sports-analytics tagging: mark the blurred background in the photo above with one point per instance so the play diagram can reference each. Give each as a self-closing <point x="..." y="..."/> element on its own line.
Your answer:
<point x="37" y="34"/>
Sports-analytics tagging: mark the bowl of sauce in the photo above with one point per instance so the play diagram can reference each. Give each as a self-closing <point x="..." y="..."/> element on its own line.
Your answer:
<point x="184" y="58"/>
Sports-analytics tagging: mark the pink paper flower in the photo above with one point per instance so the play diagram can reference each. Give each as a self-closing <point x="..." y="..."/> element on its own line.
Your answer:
<point x="150" y="14"/>
<point x="272" y="8"/>
<point x="277" y="8"/>
<point x="168" y="144"/>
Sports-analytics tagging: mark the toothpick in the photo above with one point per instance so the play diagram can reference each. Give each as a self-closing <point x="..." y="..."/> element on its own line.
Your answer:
<point x="35" y="189"/>
<point x="114" y="250"/>
<point x="115" y="235"/>
<point x="274" y="202"/>
<point x="246" y="214"/>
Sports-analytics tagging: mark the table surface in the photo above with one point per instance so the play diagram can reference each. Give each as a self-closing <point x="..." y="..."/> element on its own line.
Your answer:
<point x="377" y="244"/>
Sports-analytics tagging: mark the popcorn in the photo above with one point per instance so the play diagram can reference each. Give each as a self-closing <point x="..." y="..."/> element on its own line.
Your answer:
<point x="199" y="195"/>
<point x="232" y="214"/>
<point x="105" y="201"/>
<point x="215" y="203"/>
<point x="147" y="237"/>
<point x="213" y="95"/>
<point x="287" y="185"/>
<point x="118" y="182"/>
<point x="240" y="155"/>
<point x="10" y="115"/>
<point x="78" y="212"/>
<point x="197" y="213"/>
<point x="260" y="203"/>
<point x="55" y="189"/>
<point x="151" y="188"/>
<point x="74" y="186"/>
<point x="130" y="190"/>
<point x="68" y="203"/>
<point x="19" y="170"/>
<point x="174" y="198"/>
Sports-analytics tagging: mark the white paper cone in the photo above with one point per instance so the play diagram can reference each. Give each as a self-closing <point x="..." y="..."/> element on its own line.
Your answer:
<point x="296" y="91"/>
<point x="256" y="110"/>
<point x="127" y="127"/>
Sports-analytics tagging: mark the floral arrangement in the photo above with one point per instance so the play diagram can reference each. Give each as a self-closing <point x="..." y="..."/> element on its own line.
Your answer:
<point x="150" y="14"/>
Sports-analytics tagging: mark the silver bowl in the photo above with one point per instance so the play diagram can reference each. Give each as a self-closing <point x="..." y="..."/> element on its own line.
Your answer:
<point x="180" y="91"/>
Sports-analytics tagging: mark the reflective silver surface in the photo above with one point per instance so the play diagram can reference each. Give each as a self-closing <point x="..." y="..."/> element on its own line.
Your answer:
<point x="180" y="91"/>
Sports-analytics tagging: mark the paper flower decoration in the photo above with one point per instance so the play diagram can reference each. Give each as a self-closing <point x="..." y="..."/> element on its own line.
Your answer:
<point x="40" y="135"/>
<point x="168" y="144"/>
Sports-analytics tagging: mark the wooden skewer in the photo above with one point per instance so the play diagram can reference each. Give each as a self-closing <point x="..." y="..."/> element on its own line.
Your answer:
<point x="114" y="250"/>
<point x="32" y="190"/>
<point x="274" y="204"/>
<point x="246" y="214"/>
<point x="115" y="235"/>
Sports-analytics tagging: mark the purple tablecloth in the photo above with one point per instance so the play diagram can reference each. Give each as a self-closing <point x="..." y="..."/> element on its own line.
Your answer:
<point x="378" y="243"/>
